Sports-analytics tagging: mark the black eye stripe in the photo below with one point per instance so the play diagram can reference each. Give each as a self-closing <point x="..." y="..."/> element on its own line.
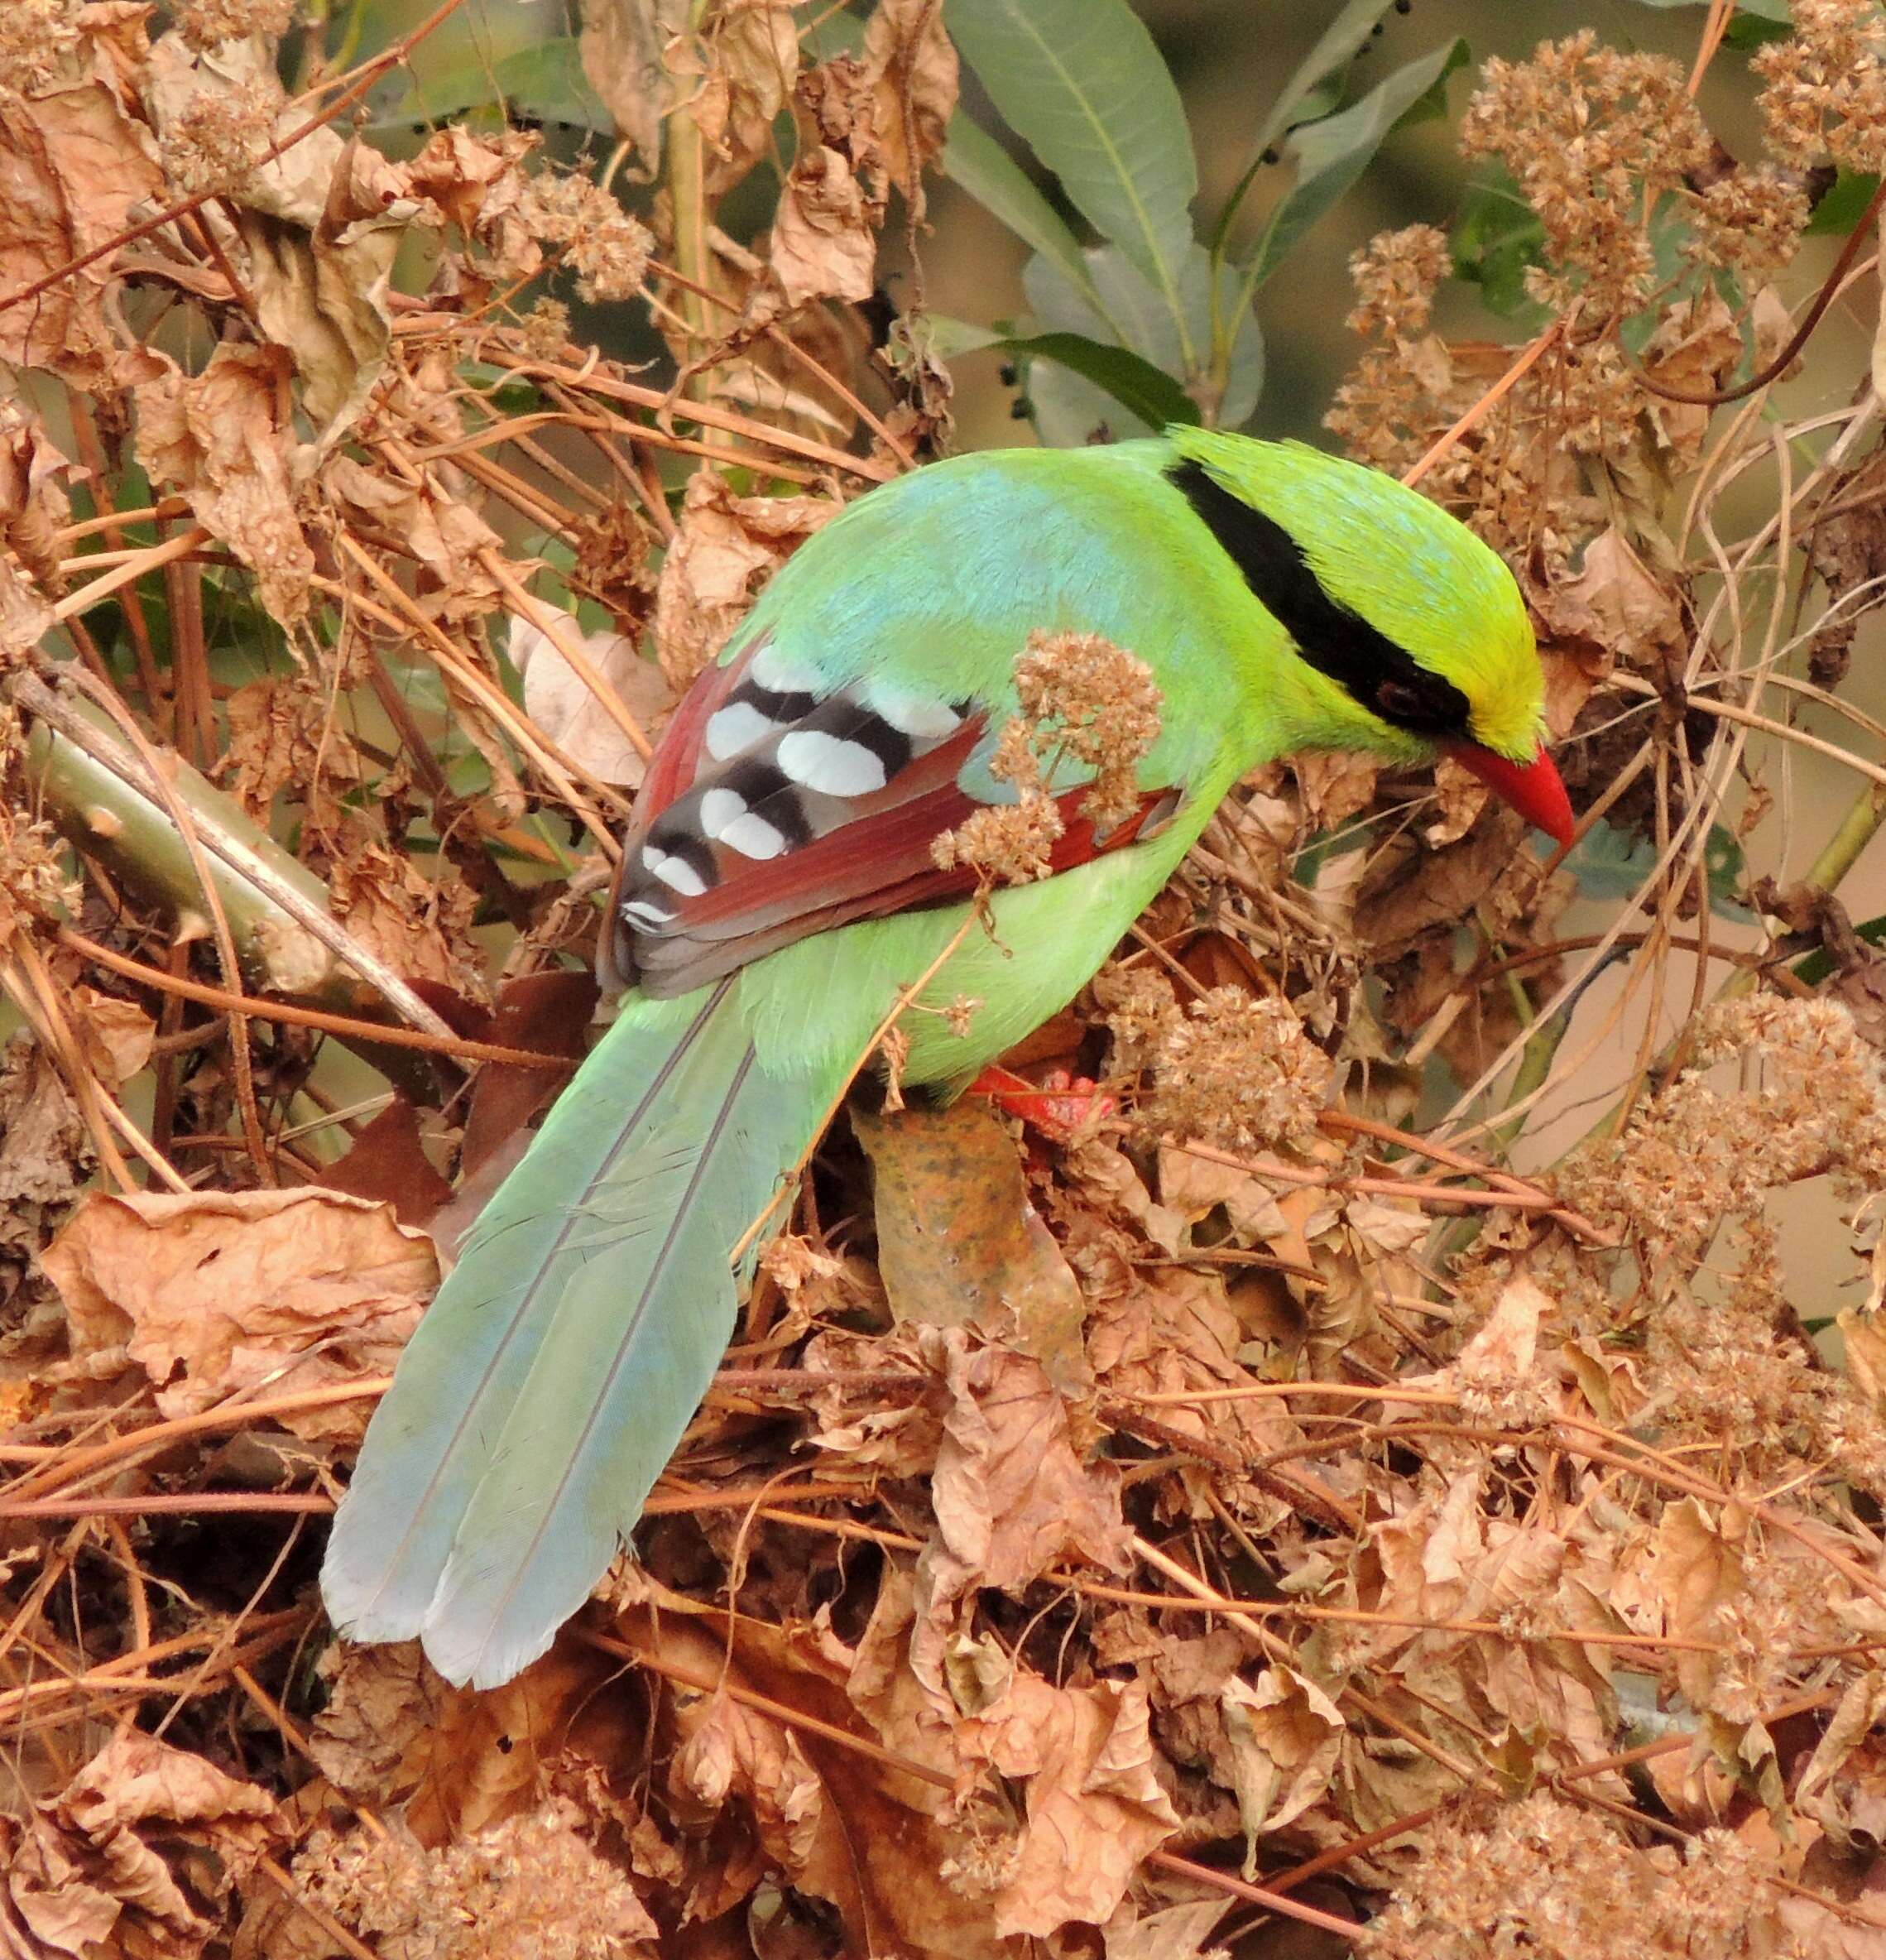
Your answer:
<point x="1384" y="678"/>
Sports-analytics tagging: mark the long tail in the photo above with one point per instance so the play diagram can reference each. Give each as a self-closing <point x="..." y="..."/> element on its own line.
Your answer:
<point x="554" y="1374"/>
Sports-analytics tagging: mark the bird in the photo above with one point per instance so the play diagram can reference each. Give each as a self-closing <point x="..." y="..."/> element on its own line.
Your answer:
<point x="779" y="893"/>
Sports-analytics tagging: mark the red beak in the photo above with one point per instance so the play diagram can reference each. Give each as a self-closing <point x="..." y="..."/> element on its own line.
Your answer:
<point x="1532" y="788"/>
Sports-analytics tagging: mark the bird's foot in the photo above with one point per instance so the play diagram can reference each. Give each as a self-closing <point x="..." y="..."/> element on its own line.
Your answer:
<point x="1059" y="1106"/>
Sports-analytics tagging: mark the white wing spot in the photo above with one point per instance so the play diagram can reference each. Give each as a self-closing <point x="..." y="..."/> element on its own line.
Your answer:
<point x="737" y="727"/>
<point x="677" y="873"/>
<point x="779" y="674"/>
<point x="830" y="764"/>
<point x="719" y="808"/>
<point x="644" y="911"/>
<point x="753" y="837"/>
<point x="920" y="715"/>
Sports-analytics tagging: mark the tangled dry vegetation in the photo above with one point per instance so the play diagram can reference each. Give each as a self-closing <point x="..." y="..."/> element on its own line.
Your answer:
<point x="1254" y="1512"/>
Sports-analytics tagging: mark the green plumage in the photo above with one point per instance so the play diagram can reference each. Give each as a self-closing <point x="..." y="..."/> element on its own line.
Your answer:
<point x="556" y="1370"/>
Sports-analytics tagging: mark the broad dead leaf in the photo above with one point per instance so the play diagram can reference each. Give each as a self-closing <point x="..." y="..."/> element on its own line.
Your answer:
<point x="1009" y="1495"/>
<point x="225" y="1291"/>
<point x="136" y="1855"/>
<point x="559" y="701"/>
<point x="386" y="1164"/>
<point x="911" y="69"/>
<point x="116" y="1035"/>
<point x="222" y="438"/>
<point x="1094" y="1809"/>
<point x="33" y="502"/>
<point x="824" y="236"/>
<point x="1286" y="1734"/>
<point x="75" y="163"/>
<point x="620" y="48"/>
<point x="725" y="544"/>
<point x="285" y="734"/>
<point x="419" y="924"/>
<point x="959" y="1242"/>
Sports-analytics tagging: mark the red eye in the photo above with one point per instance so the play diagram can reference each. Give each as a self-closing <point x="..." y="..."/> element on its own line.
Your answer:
<point x="1396" y="701"/>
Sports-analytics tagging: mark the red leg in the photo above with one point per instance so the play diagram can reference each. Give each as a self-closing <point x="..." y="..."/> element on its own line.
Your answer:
<point x="1057" y="1106"/>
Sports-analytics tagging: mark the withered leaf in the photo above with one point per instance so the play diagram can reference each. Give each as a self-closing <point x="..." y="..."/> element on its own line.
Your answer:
<point x="1285" y="1735"/>
<point x="75" y="162"/>
<point x="559" y="701"/>
<point x="913" y="71"/>
<point x="725" y="544"/>
<point x="1095" y="1808"/>
<point x="386" y="1164"/>
<point x="824" y="237"/>
<point x="222" y="437"/>
<point x="223" y="1291"/>
<point x="959" y="1243"/>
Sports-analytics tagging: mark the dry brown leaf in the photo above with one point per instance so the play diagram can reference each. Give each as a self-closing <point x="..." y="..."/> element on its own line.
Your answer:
<point x="1334" y="785"/>
<point x="1095" y="1808"/>
<point x="823" y="244"/>
<point x="420" y="925"/>
<point x="725" y="544"/>
<point x="912" y="70"/>
<point x="959" y="1244"/>
<point x="874" y="1842"/>
<point x="45" y="1156"/>
<point x="116" y="1035"/>
<point x="1694" y="350"/>
<point x="1174" y="1933"/>
<point x="1009" y="1494"/>
<point x="746" y="68"/>
<point x="559" y="700"/>
<point x="386" y="1164"/>
<point x="621" y="49"/>
<point x="442" y="535"/>
<point x="33" y="502"/>
<point x="1286" y="1734"/>
<point x="1697" y="1569"/>
<point x="224" y="1292"/>
<point x="75" y="164"/>
<point x="285" y="733"/>
<point x="1617" y="604"/>
<point x="222" y="438"/>
<point x="137" y="1854"/>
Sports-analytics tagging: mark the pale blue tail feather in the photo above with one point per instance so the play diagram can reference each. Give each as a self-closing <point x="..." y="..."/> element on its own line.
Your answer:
<point x="555" y="1371"/>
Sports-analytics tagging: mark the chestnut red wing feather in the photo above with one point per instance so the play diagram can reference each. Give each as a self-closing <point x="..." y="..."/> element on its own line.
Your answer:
<point x="827" y="815"/>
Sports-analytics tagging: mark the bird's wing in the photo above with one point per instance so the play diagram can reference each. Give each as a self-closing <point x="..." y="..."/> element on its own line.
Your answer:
<point x="777" y="805"/>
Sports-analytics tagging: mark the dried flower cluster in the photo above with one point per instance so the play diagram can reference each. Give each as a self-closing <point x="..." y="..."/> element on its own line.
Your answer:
<point x="1593" y="138"/>
<point x="1231" y="1070"/>
<point x="1088" y="710"/>
<point x="1545" y="1878"/>
<point x="1698" y="1155"/>
<point x="608" y="249"/>
<point x="530" y="1885"/>
<point x="1824" y="86"/>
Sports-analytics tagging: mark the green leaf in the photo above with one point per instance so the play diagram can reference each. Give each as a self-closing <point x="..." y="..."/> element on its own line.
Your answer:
<point x="1610" y="863"/>
<point x="1322" y="72"/>
<point x="1127" y="310"/>
<point x="1498" y="238"/>
<point x="1812" y="969"/>
<point x="1333" y="153"/>
<point x="973" y="158"/>
<point x="1082" y="81"/>
<point x="543" y="82"/>
<point x="1144" y="391"/>
<point x="1767" y="10"/>
<point x="1844" y="205"/>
